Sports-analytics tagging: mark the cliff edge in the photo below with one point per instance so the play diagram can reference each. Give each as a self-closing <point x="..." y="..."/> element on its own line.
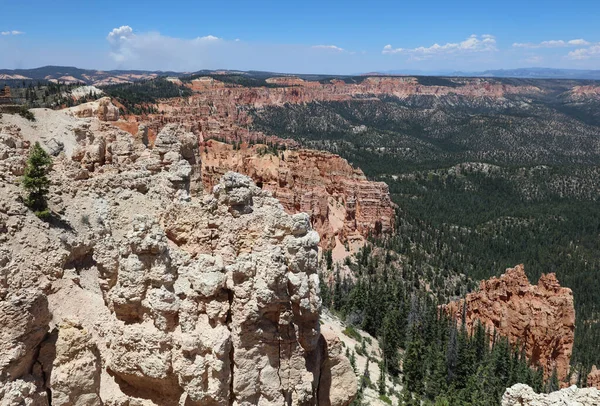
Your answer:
<point x="139" y="292"/>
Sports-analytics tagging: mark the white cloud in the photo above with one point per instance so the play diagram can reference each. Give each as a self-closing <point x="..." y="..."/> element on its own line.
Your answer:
<point x="328" y="47"/>
<point x="585" y="53"/>
<point x="551" y="44"/>
<point x="123" y="33"/>
<point x="473" y="44"/>
<point x="578" y="42"/>
<point x="13" y="32"/>
<point x="131" y="49"/>
<point x="208" y="38"/>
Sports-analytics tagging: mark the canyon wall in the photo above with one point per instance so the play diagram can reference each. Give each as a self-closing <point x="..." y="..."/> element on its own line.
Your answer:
<point x="221" y="110"/>
<point x="541" y="317"/>
<point x="344" y="207"/>
<point x="296" y="90"/>
<point x="138" y="291"/>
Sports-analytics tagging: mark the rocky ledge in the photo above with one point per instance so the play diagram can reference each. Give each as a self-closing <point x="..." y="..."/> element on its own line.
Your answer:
<point x="139" y="292"/>
<point x="523" y="395"/>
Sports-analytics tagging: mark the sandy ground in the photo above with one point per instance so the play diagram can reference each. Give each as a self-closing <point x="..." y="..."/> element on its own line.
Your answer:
<point x="49" y="125"/>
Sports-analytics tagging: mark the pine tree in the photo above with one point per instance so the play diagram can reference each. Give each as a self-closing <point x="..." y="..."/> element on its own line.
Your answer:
<point x="381" y="380"/>
<point x="553" y="384"/>
<point x="365" y="380"/>
<point x="36" y="182"/>
<point x="537" y="379"/>
<point x="436" y="379"/>
<point x="391" y="339"/>
<point x="413" y="363"/>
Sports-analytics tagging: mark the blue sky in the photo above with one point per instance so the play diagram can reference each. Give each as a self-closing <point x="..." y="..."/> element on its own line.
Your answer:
<point x="308" y="36"/>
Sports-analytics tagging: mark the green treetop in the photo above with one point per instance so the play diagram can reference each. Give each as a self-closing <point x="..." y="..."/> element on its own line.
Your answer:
<point x="35" y="180"/>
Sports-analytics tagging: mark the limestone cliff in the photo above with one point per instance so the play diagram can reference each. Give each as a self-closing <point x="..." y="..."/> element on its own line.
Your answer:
<point x="342" y="204"/>
<point x="140" y="291"/>
<point x="541" y="317"/>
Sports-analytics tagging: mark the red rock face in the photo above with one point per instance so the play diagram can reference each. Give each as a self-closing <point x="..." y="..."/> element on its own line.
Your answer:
<point x="340" y="200"/>
<point x="593" y="378"/>
<point x="541" y="317"/>
<point x="220" y="110"/>
<point x="583" y="93"/>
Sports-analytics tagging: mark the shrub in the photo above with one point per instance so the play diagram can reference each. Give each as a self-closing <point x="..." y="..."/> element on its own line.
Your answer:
<point x="25" y="113"/>
<point x="36" y="182"/>
<point x="351" y="332"/>
<point x="385" y="399"/>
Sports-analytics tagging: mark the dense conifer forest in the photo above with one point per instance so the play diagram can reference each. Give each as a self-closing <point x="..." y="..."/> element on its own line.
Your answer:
<point x="437" y="361"/>
<point x="140" y="97"/>
<point x="481" y="184"/>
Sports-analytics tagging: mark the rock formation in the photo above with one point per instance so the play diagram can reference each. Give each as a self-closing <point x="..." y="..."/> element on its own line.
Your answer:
<point x="541" y="317"/>
<point x="523" y="395"/>
<point x="142" y="291"/>
<point x="102" y="108"/>
<point x="342" y="204"/>
<point x="593" y="378"/>
<point x="5" y="97"/>
<point x="221" y="110"/>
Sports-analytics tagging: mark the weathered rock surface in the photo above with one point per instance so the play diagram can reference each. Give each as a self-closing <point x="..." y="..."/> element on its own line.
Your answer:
<point x="342" y="204"/>
<point x="71" y="361"/>
<point x="593" y="378"/>
<point x="523" y="395"/>
<point x="102" y="108"/>
<point x="141" y="291"/>
<point x="541" y="317"/>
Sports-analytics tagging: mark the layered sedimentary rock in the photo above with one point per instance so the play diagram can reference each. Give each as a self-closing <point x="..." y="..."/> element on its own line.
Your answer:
<point x="140" y="291"/>
<point x="541" y="317"/>
<point x="523" y="395"/>
<point x="218" y="110"/>
<point x="296" y="90"/>
<point x="221" y="110"/>
<point x="342" y="204"/>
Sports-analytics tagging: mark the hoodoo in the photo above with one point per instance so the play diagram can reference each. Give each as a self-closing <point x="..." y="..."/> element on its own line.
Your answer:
<point x="541" y="317"/>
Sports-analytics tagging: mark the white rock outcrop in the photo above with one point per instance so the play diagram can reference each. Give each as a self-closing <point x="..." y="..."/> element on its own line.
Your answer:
<point x="144" y="291"/>
<point x="523" y="395"/>
<point x="102" y="108"/>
